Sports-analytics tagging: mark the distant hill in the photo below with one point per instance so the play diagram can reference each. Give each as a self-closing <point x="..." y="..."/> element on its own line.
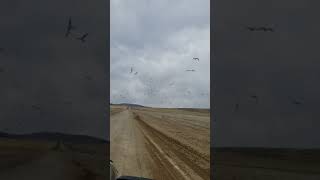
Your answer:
<point x="54" y="136"/>
<point x="130" y="105"/>
<point x="4" y="135"/>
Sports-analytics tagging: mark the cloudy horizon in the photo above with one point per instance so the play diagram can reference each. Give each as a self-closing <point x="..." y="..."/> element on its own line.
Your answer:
<point x="151" y="52"/>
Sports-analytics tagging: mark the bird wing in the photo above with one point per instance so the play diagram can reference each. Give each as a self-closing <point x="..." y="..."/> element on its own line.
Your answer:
<point x="70" y="24"/>
<point x="250" y="28"/>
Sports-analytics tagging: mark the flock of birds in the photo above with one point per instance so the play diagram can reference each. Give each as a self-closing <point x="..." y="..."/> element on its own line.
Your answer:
<point x="152" y="90"/>
<point x="261" y="28"/>
<point x="69" y="31"/>
<point x="192" y="70"/>
<point x="71" y="28"/>
<point x="256" y="99"/>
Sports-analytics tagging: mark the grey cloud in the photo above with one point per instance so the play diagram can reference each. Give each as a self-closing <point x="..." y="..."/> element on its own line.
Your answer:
<point x="159" y="39"/>
<point x="129" y="20"/>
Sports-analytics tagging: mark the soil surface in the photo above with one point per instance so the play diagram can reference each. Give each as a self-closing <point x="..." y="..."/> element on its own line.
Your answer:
<point x="160" y="143"/>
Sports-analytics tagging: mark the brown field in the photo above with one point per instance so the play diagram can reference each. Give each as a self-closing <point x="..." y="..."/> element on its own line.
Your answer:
<point x="116" y="109"/>
<point x="27" y="159"/>
<point x="265" y="164"/>
<point x="161" y="143"/>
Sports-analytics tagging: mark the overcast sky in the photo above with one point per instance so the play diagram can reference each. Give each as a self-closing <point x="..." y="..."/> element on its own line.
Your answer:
<point x="159" y="39"/>
<point x="272" y="66"/>
<point x="44" y="68"/>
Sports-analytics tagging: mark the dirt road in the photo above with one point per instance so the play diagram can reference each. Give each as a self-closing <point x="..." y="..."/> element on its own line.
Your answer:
<point x="161" y="144"/>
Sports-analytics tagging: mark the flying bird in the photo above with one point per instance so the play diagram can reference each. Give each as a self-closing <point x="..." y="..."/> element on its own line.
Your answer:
<point x="131" y="70"/>
<point x="190" y="70"/>
<point x="70" y="27"/>
<point x="265" y="29"/>
<point x="135" y="73"/>
<point x="251" y="28"/>
<point x="255" y="97"/>
<point x="36" y="107"/>
<point x="82" y="38"/>
<point x="294" y="101"/>
<point x="197" y="59"/>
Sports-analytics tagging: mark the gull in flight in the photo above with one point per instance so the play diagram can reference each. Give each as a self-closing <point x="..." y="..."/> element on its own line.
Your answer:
<point x="197" y="59"/>
<point x="294" y="101"/>
<point x="69" y="28"/>
<point x="82" y="38"/>
<point x="255" y="97"/>
<point x="265" y="29"/>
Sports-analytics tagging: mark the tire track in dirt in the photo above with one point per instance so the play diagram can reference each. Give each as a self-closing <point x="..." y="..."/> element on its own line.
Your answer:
<point x="140" y="149"/>
<point x="128" y="147"/>
<point x="162" y="160"/>
<point x="190" y="135"/>
<point x="187" y="158"/>
<point x="190" y="149"/>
